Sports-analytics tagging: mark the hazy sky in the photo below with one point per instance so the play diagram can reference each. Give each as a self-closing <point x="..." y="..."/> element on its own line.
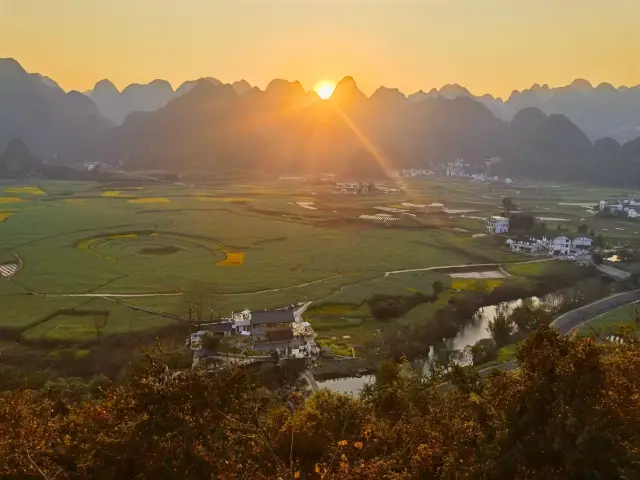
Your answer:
<point x="490" y="46"/>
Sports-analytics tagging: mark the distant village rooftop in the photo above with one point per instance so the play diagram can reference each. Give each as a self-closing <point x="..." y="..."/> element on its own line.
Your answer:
<point x="273" y="316"/>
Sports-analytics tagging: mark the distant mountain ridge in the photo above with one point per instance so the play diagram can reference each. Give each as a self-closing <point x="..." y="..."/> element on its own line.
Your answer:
<point x="34" y="109"/>
<point x="599" y="111"/>
<point x="116" y="105"/>
<point x="207" y="124"/>
<point x="285" y="129"/>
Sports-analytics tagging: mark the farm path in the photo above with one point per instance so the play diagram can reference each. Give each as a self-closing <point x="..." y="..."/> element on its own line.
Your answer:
<point x="143" y="309"/>
<point x="395" y="272"/>
<point x="107" y="295"/>
<point x="282" y="288"/>
<point x="175" y="294"/>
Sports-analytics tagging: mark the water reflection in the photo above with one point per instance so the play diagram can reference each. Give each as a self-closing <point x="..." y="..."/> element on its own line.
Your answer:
<point x="478" y="330"/>
<point x="472" y="333"/>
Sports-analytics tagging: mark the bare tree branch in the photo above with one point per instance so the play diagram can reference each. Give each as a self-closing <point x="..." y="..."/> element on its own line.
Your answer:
<point x="37" y="467"/>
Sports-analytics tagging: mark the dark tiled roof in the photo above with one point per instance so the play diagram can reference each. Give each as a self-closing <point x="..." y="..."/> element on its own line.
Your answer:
<point x="273" y="316"/>
<point x="220" y="327"/>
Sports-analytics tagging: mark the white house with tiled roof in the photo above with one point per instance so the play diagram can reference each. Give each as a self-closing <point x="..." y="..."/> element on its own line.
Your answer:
<point x="498" y="225"/>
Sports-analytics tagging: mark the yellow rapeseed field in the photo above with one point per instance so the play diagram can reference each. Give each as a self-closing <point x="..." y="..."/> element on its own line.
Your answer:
<point x="111" y="193"/>
<point x="233" y="259"/>
<point x="84" y="244"/>
<point x="224" y="199"/>
<point x="29" y="190"/>
<point x="333" y="310"/>
<point x="149" y="200"/>
<point x="4" y="216"/>
<point x="476" y="284"/>
<point x="123" y="235"/>
<point x="10" y="200"/>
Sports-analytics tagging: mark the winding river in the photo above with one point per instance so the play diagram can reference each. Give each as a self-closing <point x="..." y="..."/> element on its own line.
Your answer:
<point x="478" y="330"/>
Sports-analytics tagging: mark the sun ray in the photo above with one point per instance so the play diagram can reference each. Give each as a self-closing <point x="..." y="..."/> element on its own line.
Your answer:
<point x="382" y="161"/>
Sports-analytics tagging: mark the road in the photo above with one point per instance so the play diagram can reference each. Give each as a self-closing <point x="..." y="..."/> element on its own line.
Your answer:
<point x="307" y="332"/>
<point x="570" y="321"/>
<point x="311" y="381"/>
<point x="298" y="313"/>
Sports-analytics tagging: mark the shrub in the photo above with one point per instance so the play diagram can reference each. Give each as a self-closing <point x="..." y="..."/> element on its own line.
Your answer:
<point x="484" y="351"/>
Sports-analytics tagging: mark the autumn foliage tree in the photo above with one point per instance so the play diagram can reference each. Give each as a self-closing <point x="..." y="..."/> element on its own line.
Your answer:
<point x="571" y="411"/>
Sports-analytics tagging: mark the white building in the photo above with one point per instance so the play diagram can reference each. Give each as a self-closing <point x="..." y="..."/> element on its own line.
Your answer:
<point x="455" y="169"/>
<point x="416" y="172"/>
<point x="581" y="243"/>
<point x="498" y="225"/>
<point x="616" y="207"/>
<point x="560" y="245"/>
<point x="531" y="245"/>
<point x="242" y="321"/>
<point x="632" y="213"/>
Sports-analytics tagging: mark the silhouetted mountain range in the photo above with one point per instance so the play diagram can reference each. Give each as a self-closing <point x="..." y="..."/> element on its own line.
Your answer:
<point x="599" y="111"/>
<point x="36" y="110"/>
<point x="207" y="124"/>
<point x="116" y="105"/>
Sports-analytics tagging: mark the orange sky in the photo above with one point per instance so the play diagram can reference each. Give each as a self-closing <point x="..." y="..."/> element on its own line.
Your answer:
<point x="490" y="46"/>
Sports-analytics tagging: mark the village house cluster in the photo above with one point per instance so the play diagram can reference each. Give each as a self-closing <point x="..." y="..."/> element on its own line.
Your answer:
<point x="278" y="331"/>
<point x="629" y="208"/>
<point x="458" y="168"/>
<point x="412" y="172"/>
<point x="559" y="246"/>
<point x="361" y="188"/>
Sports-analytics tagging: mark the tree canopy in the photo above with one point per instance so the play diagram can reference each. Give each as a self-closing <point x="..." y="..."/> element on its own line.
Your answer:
<point x="572" y="410"/>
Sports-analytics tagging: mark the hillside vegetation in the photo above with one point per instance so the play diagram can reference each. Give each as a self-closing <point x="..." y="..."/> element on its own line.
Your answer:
<point x="572" y="410"/>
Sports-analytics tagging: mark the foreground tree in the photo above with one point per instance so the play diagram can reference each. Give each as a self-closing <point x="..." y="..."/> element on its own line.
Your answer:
<point x="571" y="411"/>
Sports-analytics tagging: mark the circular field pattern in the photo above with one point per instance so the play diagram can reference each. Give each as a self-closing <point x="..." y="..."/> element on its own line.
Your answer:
<point x="152" y="245"/>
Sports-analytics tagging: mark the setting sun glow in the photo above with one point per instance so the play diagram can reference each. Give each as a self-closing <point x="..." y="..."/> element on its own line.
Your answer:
<point x="325" y="89"/>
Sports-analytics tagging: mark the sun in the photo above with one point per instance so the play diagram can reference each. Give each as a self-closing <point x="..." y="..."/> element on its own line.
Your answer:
<point x="325" y="89"/>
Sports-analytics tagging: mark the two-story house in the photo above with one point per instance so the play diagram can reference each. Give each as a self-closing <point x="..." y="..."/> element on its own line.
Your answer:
<point x="581" y="244"/>
<point x="272" y="326"/>
<point x="560" y="245"/>
<point x="498" y="225"/>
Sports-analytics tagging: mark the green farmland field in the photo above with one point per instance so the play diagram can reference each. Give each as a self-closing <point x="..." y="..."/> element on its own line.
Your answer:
<point x="237" y="246"/>
<point x="609" y="322"/>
